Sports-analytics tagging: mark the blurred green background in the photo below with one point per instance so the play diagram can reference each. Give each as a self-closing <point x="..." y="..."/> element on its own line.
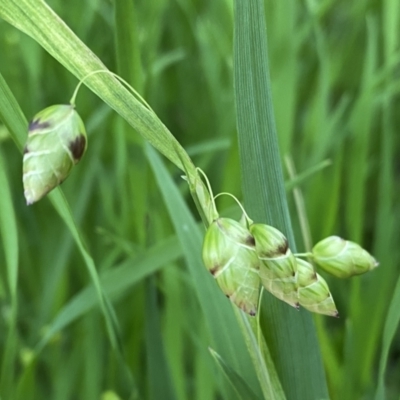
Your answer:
<point x="335" y="74"/>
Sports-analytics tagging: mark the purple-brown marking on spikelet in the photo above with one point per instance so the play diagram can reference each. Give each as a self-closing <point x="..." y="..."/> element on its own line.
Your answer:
<point x="77" y="147"/>
<point x="250" y="241"/>
<point x="283" y="248"/>
<point x="36" y="124"/>
<point x="278" y="251"/>
<point x="214" y="270"/>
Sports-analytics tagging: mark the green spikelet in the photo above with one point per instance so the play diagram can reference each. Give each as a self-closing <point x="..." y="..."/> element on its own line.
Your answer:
<point x="278" y="271"/>
<point x="229" y="254"/>
<point x="314" y="293"/>
<point x="342" y="258"/>
<point x="56" y="142"/>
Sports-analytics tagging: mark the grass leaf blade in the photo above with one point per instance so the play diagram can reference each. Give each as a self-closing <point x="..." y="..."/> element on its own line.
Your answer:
<point x="218" y="313"/>
<point x="389" y="331"/>
<point x="9" y="238"/>
<point x="14" y="119"/>
<point x="39" y="21"/>
<point x="291" y="336"/>
<point x="239" y="385"/>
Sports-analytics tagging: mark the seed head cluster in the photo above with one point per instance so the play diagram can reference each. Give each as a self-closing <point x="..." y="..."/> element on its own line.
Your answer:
<point x="244" y="255"/>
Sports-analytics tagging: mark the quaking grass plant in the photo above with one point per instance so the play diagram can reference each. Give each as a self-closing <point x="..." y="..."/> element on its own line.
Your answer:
<point x="269" y="349"/>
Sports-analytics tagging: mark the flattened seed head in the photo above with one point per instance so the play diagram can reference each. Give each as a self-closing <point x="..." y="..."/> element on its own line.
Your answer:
<point x="307" y="275"/>
<point x="283" y="289"/>
<point x="342" y="258"/>
<point x="56" y="142"/>
<point x="228" y="253"/>
<point x="314" y="293"/>
<point x="278" y="271"/>
<point x="270" y="242"/>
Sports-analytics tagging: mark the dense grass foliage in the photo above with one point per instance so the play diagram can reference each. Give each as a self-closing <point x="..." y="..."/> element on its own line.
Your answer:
<point x="128" y="215"/>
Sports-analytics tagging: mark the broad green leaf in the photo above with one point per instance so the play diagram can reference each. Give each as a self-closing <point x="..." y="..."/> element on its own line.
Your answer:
<point x="290" y="335"/>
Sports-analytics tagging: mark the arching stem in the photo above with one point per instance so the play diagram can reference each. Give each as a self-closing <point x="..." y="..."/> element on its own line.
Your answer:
<point x="123" y="81"/>
<point x="209" y="190"/>
<point x="249" y="220"/>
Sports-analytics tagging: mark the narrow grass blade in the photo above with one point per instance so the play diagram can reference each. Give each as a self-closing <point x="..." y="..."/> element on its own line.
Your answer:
<point x="127" y="43"/>
<point x="12" y="115"/>
<point x="241" y="388"/>
<point x="218" y="313"/>
<point x="359" y="365"/>
<point x="14" y="119"/>
<point x="130" y="68"/>
<point x="66" y="380"/>
<point x="204" y="372"/>
<point x="303" y="176"/>
<point x="115" y="284"/>
<point x="92" y="363"/>
<point x="159" y="376"/>
<point x="61" y="205"/>
<point x="175" y="289"/>
<point x="385" y="223"/>
<point x="389" y="331"/>
<point x="9" y="232"/>
<point x="9" y="239"/>
<point x="26" y="382"/>
<point x="361" y="125"/>
<point x="290" y="336"/>
<point x="283" y="27"/>
<point x="261" y="357"/>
